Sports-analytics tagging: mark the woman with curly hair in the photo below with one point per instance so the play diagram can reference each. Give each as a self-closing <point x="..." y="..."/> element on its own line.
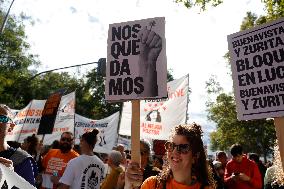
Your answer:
<point x="185" y="167"/>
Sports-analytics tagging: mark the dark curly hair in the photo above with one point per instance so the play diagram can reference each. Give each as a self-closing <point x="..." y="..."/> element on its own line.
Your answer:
<point x="200" y="169"/>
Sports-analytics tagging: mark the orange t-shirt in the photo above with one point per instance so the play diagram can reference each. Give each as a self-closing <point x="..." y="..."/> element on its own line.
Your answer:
<point x="57" y="161"/>
<point x="150" y="183"/>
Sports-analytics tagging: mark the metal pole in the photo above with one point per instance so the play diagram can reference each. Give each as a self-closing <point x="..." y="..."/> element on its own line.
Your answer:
<point x="6" y="18"/>
<point x="100" y="61"/>
<point x="47" y="71"/>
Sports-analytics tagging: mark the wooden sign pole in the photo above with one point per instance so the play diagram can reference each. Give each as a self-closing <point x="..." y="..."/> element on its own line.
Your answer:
<point x="135" y="131"/>
<point x="279" y="127"/>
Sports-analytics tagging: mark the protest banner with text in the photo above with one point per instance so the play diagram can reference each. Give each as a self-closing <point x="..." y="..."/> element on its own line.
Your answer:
<point x="107" y="127"/>
<point x="27" y="120"/>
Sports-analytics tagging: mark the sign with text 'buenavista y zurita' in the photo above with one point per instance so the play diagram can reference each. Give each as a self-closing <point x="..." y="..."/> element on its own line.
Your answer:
<point x="136" y="60"/>
<point x="257" y="59"/>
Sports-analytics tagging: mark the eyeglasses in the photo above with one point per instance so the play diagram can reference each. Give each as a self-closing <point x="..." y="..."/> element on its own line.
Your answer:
<point x="181" y="148"/>
<point x="66" y="139"/>
<point x="5" y="119"/>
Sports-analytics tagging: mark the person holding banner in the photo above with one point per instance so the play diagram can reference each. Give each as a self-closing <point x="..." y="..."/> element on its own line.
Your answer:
<point x="24" y="164"/>
<point x="87" y="170"/>
<point x="185" y="166"/>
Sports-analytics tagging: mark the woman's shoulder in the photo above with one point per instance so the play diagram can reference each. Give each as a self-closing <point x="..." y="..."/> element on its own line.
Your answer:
<point x="150" y="183"/>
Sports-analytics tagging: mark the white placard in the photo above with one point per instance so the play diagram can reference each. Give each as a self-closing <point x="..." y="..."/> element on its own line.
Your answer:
<point x="257" y="60"/>
<point x="136" y="60"/>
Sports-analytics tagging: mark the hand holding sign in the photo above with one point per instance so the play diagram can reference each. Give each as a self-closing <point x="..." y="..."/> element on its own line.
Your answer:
<point x="150" y="48"/>
<point x="133" y="176"/>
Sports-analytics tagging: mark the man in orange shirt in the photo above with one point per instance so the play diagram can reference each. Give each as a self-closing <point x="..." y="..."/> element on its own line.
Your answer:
<point x="55" y="161"/>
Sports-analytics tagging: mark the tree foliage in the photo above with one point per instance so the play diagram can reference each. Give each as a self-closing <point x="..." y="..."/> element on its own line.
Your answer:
<point x="274" y="8"/>
<point x="254" y="135"/>
<point x="203" y="4"/>
<point x="15" y="59"/>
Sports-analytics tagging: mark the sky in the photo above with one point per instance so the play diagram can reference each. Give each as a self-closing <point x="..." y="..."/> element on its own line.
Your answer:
<point x="70" y="32"/>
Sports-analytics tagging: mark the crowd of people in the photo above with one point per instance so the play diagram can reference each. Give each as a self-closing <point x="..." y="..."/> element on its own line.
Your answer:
<point x="184" y="166"/>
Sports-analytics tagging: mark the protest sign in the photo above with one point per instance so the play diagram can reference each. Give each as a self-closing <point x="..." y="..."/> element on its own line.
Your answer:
<point x="49" y="113"/>
<point x="136" y="61"/>
<point x="64" y="120"/>
<point x="257" y="60"/>
<point x="11" y="180"/>
<point x="159" y="116"/>
<point x="107" y="127"/>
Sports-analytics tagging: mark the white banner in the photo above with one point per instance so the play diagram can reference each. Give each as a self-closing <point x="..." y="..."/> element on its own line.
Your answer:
<point x="11" y="180"/>
<point x="125" y="141"/>
<point x="27" y="120"/>
<point x="158" y="117"/>
<point x="136" y="60"/>
<point x="257" y="60"/>
<point x="107" y="136"/>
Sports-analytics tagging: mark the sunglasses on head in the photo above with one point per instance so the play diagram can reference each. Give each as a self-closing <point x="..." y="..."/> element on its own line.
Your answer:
<point x="181" y="148"/>
<point x="4" y="119"/>
<point x="66" y="139"/>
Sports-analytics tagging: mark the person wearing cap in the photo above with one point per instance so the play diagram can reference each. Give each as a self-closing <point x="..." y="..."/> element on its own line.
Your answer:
<point x="24" y="164"/>
<point x="114" y="160"/>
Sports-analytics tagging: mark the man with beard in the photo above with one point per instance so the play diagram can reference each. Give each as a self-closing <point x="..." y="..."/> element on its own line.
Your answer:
<point x="55" y="161"/>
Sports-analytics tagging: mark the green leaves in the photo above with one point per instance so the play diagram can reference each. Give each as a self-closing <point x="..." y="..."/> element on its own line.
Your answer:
<point x="203" y="4"/>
